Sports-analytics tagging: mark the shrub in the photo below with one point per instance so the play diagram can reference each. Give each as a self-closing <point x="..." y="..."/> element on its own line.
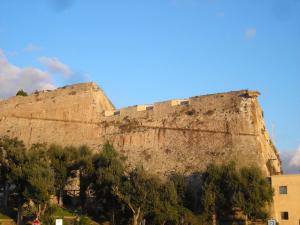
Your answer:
<point x="21" y="92"/>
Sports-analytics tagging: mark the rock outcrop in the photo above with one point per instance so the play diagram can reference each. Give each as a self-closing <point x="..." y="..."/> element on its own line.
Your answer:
<point x="178" y="135"/>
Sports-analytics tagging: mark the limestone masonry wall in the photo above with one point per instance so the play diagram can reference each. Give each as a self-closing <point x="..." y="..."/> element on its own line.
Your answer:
<point x="178" y="135"/>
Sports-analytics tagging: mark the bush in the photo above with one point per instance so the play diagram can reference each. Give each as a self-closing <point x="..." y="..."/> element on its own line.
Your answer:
<point x="21" y="92"/>
<point x="84" y="220"/>
<point x="48" y="219"/>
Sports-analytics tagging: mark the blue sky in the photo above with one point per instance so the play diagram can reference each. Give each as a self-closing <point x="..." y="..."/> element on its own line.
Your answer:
<point x="146" y="51"/>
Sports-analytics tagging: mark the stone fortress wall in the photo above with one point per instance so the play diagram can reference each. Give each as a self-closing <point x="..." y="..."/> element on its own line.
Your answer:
<point x="178" y="135"/>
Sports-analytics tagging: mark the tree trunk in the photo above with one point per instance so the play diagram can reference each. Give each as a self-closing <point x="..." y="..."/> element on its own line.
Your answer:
<point x="60" y="197"/>
<point x="136" y="217"/>
<point x="20" y="215"/>
<point x="143" y="222"/>
<point x="38" y="215"/>
<point x="112" y="217"/>
<point x="214" y="219"/>
<point x="5" y="197"/>
<point x="82" y="190"/>
<point x="41" y="210"/>
<point x="44" y="209"/>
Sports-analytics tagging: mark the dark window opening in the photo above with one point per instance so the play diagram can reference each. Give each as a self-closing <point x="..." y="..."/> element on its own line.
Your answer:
<point x="284" y="215"/>
<point x="283" y="190"/>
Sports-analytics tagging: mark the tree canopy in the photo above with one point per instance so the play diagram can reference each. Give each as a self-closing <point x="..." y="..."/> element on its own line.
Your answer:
<point x="123" y="194"/>
<point x="225" y="189"/>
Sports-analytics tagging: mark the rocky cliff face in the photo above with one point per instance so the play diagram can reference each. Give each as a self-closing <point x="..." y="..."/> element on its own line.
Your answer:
<point x="177" y="135"/>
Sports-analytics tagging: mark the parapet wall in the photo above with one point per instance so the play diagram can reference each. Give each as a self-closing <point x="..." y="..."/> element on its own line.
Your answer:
<point x="178" y="135"/>
<point x="186" y="135"/>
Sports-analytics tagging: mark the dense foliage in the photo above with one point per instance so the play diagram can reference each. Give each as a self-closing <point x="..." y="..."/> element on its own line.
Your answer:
<point x="226" y="189"/>
<point x="108" y="190"/>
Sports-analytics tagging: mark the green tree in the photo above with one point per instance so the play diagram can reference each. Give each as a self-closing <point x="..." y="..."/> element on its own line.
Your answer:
<point x="148" y="197"/>
<point x="219" y="191"/>
<point x="181" y="186"/>
<point x="134" y="191"/>
<point x="27" y="173"/>
<point x="109" y="170"/>
<point x="210" y="191"/>
<point x="143" y="196"/>
<point x="226" y="188"/>
<point x="162" y="203"/>
<point x="21" y="92"/>
<point x="6" y="147"/>
<point x="255" y="194"/>
<point x="187" y="188"/>
<point x="14" y="160"/>
<point x="84" y="164"/>
<point x="63" y="163"/>
<point x="40" y="178"/>
<point x="229" y="185"/>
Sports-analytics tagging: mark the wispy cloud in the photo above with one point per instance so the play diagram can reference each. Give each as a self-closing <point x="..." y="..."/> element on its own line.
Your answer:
<point x="32" y="48"/>
<point x="295" y="161"/>
<point x="290" y="161"/>
<point x="54" y="65"/>
<point x="13" y="78"/>
<point x="250" y="33"/>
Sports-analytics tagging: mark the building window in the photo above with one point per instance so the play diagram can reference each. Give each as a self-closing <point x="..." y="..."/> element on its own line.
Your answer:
<point x="283" y="190"/>
<point x="284" y="215"/>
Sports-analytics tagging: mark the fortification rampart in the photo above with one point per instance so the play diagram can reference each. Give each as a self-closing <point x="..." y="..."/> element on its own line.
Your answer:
<point x="181" y="135"/>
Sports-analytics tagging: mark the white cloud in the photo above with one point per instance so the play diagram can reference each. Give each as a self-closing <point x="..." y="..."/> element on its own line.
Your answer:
<point x="250" y="33"/>
<point x="285" y="157"/>
<point x="32" y="48"/>
<point x="13" y="78"/>
<point x="54" y="65"/>
<point x="295" y="161"/>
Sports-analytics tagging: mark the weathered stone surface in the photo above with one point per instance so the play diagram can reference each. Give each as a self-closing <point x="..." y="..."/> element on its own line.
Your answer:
<point x="178" y="135"/>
